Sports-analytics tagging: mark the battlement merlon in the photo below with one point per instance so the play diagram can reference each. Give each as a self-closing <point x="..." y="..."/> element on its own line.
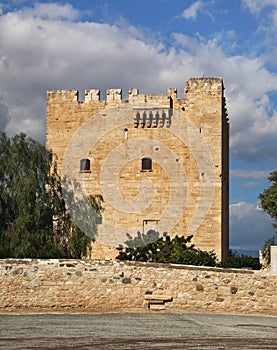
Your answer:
<point x="92" y="95"/>
<point x="204" y="86"/>
<point x="62" y="95"/>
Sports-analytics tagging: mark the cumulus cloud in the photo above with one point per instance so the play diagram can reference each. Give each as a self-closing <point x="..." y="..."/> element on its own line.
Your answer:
<point x="249" y="178"/>
<point x="266" y="13"/>
<point x="254" y="128"/>
<point x="249" y="226"/>
<point x="46" y="47"/>
<point x="39" y="54"/>
<point x="4" y="114"/>
<point x="52" y="11"/>
<point x="192" y="11"/>
<point x="250" y="174"/>
<point x="253" y="115"/>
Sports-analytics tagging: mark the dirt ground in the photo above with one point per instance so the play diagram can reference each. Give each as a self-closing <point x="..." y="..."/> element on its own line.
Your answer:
<point x="136" y="331"/>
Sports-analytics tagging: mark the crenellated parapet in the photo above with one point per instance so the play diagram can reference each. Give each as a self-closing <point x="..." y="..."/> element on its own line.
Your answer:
<point x="194" y="88"/>
<point x="112" y="96"/>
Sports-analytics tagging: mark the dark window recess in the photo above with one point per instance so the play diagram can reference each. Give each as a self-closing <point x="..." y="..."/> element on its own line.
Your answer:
<point x="146" y="164"/>
<point x="84" y="165"/>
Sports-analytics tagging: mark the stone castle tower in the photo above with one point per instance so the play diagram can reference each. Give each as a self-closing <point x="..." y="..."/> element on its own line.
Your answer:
<point x="160" y="162"/>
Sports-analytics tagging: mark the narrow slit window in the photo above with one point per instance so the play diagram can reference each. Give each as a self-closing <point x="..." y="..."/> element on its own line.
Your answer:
<point x="84" y="165"/>
<point x="146" y="164"/>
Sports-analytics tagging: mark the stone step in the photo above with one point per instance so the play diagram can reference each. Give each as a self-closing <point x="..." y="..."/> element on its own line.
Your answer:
<point x="157" y="301"/>
<point x="158" y="297"/>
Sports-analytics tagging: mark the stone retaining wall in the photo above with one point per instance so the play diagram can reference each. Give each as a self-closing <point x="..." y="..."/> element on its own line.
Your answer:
<point x="112" y="286"/>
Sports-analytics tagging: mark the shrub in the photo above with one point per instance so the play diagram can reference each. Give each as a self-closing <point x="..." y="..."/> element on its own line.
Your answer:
<point x="241" y="261"/>
<point x="177" y="250"/>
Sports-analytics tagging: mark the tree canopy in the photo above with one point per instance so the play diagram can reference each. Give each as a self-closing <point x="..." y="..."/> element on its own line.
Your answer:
<point x="238" y="261"/>
<point x="34" y="221"/>
<point x="268" y="202"/>
<point x="268" y="199"/>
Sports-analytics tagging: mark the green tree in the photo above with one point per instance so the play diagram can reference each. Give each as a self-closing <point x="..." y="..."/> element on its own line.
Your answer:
<point x="238" y="261"/>
<point x="34" y="221"/>
<point x="268" y="202"/>
<point x="178" y="250"/>
<point x="268" y="199"/>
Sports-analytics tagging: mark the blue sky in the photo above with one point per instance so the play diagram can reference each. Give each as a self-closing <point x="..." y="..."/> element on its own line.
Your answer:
<point x="153" y="45"/>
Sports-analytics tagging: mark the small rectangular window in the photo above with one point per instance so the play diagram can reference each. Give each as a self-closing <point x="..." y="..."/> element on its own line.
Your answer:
<point x="146" y="164"/>
<point x="84" y="165"/>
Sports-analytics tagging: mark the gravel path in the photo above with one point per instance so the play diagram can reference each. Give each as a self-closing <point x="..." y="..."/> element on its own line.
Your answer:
<point x="136" y="331"/>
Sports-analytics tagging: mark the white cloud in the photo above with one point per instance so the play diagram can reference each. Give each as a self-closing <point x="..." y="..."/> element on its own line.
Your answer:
<point x="250" y="178"/>
<point x="265" y="12"/>
<point x="256" y="6"/>
<point x="249" y="226"/>
<point x="4" y="114"/>
<point x="39" y="51"/>
<point x="52" y="11"/>
<point x="39" y="54"/>
<point x="242" y="209"/>
<point x="249" y="174"/>
<point x="251" y="184"/>
<point x="192" y="11"/>
<point x="248" y="83"/>
<point x="254" y="127"/>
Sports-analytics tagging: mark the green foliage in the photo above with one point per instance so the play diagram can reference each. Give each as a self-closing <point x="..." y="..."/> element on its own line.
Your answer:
<point x="34" y="221"/>
<point x="178" y="250"/>
<point x="237" y="261"/>
<point x="268" y="199"/>
<point x="266" y="248"/>
<point x="268" y="202"/>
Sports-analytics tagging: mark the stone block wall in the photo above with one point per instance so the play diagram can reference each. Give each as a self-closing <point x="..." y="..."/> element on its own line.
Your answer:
<point x="110" y="286"/>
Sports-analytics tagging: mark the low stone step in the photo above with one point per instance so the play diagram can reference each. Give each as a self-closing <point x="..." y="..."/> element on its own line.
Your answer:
<point x="158" y="297"/>
<point x="156" y="306"/>
<point x="157" y="301"/>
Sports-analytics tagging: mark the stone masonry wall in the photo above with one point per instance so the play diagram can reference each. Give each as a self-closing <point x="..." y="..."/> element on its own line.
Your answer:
<point x="186" y="189"/>
<point x="110" y="286"/>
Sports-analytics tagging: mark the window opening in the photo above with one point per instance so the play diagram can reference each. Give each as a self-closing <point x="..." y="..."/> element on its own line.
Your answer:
<point x="146" y="164"/>
<point x="84" y="165"/>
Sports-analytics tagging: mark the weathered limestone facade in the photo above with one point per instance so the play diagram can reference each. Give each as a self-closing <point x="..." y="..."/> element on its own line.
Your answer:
<point x="160" y="162"/>
<point x="111" y="286"/>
